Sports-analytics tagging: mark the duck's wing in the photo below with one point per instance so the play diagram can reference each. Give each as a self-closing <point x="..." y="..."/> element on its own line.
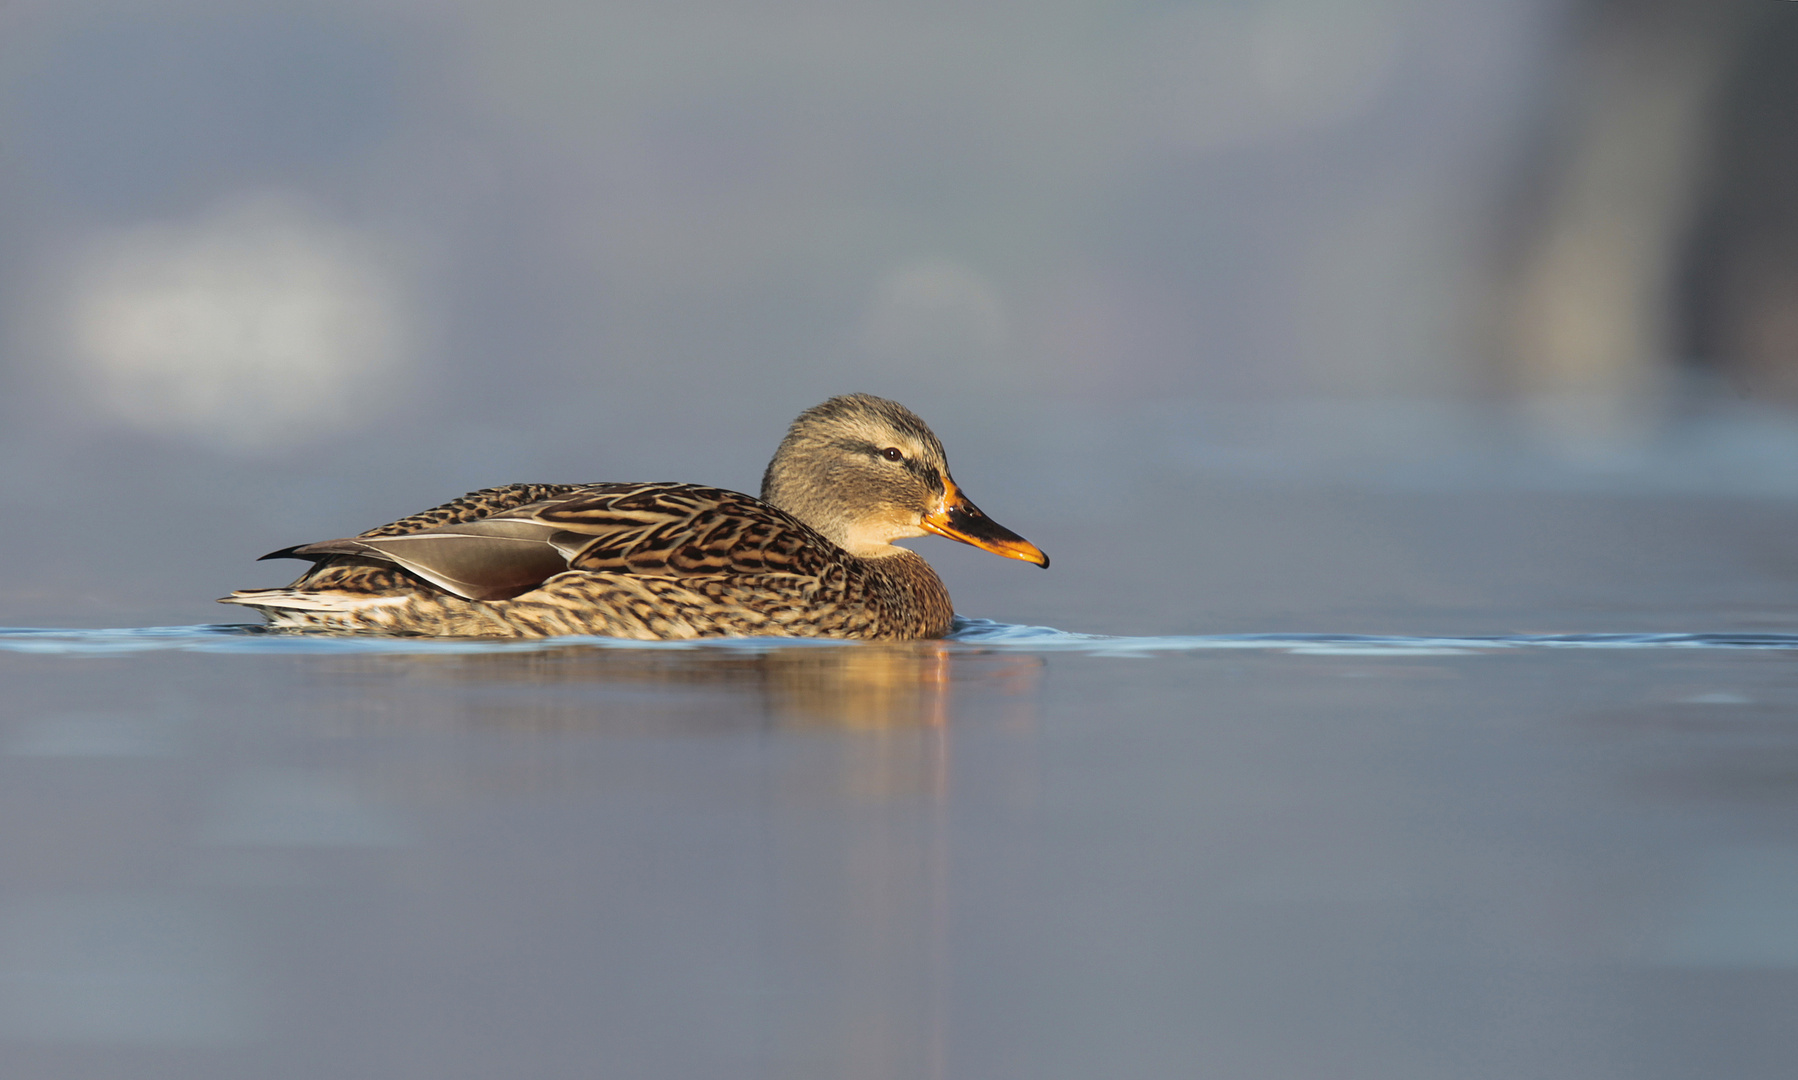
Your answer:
<point x="681" y="530"/>
<point x="664" y="530"/>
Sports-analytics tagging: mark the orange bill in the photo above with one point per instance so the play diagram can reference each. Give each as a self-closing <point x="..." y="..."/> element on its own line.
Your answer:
<point x="959" y="519"/>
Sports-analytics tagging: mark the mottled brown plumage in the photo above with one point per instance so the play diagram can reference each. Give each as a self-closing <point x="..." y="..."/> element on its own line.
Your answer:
<point x="812" y="558"/>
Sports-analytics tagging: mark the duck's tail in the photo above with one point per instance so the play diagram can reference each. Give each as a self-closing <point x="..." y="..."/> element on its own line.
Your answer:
<point x="291" y="607"/>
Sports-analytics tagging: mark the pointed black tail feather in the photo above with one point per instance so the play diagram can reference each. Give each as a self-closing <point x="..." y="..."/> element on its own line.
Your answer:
<point x="290" y="553"/>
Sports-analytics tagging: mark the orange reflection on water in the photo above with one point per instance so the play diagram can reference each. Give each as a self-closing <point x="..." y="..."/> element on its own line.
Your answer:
<point x="866" y="687"/>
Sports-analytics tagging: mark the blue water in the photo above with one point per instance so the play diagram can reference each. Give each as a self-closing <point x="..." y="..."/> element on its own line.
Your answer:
<point x="984" y="633"/>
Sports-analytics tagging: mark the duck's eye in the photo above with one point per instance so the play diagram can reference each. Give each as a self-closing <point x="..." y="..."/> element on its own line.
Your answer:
<point x="893" y="453"/>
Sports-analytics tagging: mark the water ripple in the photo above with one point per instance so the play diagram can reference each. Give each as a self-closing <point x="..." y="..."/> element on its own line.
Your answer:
<point x="973" y="634"/>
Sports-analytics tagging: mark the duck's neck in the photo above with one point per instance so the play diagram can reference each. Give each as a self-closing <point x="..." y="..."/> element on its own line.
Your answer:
<point x="925" y="600"/>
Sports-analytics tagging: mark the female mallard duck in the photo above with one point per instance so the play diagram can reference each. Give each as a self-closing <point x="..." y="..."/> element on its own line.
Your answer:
<point x="813" y="557"/>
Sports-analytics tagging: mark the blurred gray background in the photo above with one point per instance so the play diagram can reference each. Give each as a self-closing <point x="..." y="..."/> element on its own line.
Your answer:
<point x="1199" y="294"/>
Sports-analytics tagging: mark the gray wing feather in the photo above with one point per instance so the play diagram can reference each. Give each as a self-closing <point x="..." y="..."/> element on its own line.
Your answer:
<point x="490" y="559"/>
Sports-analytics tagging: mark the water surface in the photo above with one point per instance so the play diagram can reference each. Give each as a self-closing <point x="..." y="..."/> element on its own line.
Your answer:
<point x="1017" y="852"/>
<point x="980" y="633"/>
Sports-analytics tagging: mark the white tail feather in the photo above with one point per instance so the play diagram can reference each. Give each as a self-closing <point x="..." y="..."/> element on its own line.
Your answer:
<point x="294" y="600"/>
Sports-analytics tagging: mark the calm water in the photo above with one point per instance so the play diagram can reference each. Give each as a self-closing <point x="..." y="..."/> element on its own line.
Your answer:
<point x="1016" y="853"/>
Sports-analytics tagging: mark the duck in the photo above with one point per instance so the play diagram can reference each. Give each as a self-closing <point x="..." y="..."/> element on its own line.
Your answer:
<point x="812" y="557"/>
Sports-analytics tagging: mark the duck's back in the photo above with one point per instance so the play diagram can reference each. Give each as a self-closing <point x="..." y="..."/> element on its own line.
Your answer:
<point x="476" y="505"/>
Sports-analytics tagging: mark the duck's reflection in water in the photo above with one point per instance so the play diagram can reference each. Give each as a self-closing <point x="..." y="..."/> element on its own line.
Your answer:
<point x="866" y="687"/>
<point x="806" y="794"/>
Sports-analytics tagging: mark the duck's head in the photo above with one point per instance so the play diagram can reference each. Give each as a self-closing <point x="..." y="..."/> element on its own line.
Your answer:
<point x="865" y="471"/>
